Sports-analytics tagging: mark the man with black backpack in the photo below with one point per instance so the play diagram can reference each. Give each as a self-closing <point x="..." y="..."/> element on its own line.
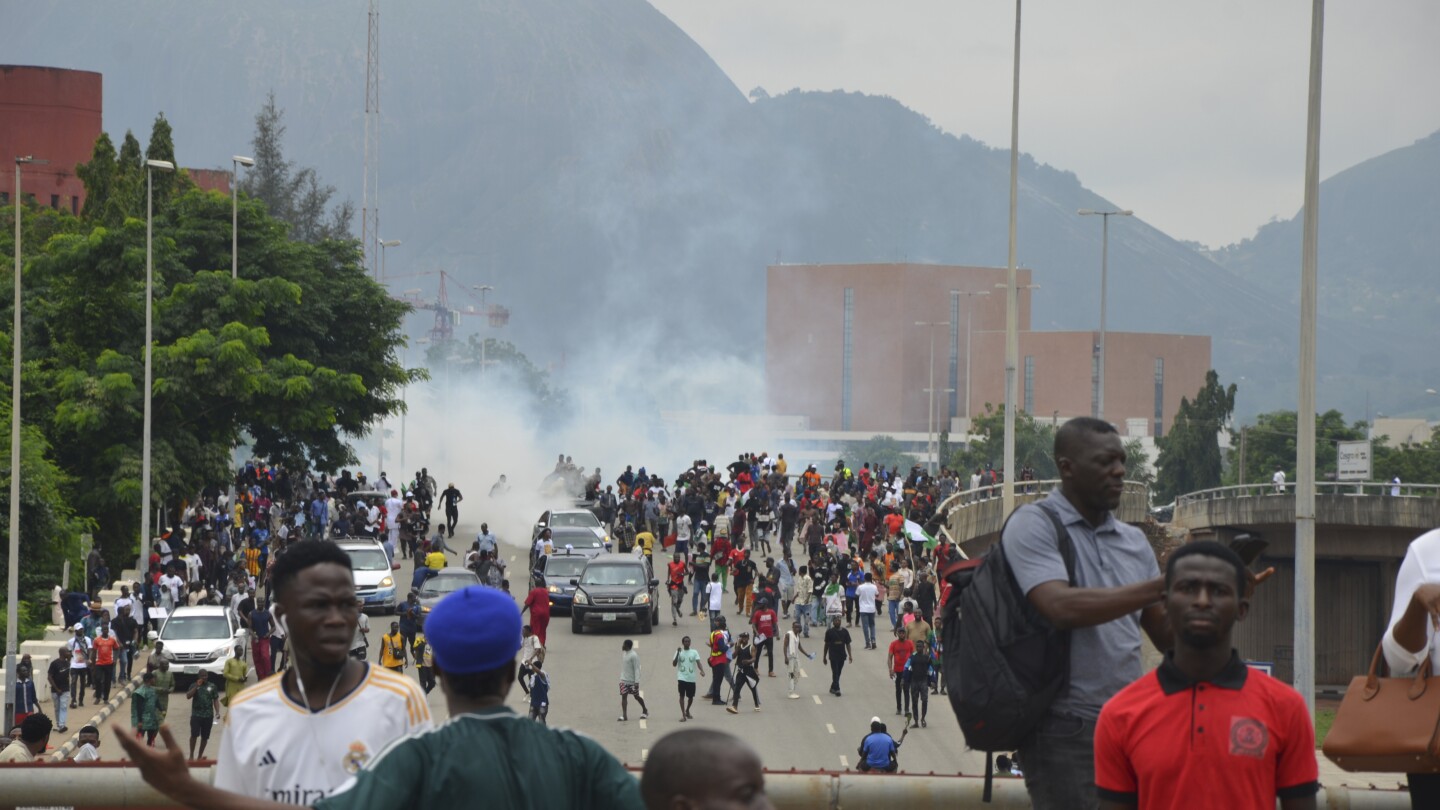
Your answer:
<point x="1049" y="627"/>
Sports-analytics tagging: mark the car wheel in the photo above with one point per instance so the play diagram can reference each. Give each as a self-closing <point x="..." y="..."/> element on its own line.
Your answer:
<point x="576" y="626"/>
<point x="654" y="617"/>
<point x="646" y="628"/>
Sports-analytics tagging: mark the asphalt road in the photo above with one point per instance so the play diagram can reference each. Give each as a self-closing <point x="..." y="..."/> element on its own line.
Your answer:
<point x="816" y="732"/>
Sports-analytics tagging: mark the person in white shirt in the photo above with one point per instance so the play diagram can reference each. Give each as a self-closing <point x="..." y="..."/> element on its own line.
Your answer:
<point x="531" y="651"/>
<point x="1411" y="637"/>
<point x="683" y="526"/>
<point x="296" y="737"/>
<point x="170" y="586"/>
<point x="865" y="596"/>
<point x="393" y="507"/>
<point x="793" y="650"/>
<point x="1279" y="480"/>
<point x="715" y="592"/>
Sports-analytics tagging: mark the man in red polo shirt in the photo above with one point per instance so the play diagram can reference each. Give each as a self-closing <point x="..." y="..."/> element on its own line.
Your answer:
<point x="1204" y="730"/>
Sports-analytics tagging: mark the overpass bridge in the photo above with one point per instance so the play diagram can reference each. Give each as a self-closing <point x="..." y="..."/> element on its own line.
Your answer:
<point x="1362" y="530"/>
<point x="1361" y="534"/>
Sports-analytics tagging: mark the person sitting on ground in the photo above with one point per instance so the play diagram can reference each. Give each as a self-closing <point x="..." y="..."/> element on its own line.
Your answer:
<point x="701" y="767"/>
<point x="878" y="749"/>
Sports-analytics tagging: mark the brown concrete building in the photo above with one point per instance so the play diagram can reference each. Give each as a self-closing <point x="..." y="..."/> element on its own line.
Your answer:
<point x="54" y="115"/>
<point x="843" y="350"/>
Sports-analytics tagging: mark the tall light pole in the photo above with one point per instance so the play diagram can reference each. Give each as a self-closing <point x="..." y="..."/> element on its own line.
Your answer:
<point x="969" y="333"/>
<point x="236" y="161"/>
<point x="12" y="587"/>
<point x="1012" y="293"/>
<point x="483" y="288"/>
<point x="1304" y="676"/>
<point x="150" y="168"/>
<point x="930" y="449"/>
<point x="1104" y="264"/>
<point x="383" y="247"/>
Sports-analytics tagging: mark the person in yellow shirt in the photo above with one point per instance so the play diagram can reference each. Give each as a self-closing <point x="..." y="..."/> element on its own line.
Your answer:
<point x="780" y="465"/>
<point x="435" y="559"/>
<point x="646" y="542"/>
<point x="392" y="649"/>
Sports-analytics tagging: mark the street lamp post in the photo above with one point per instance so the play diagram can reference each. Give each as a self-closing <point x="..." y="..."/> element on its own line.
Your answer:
<point x="930" y="450"/>
<point x="1104" y="263"/>
<point x="384" y="246"/>
<point x="1012" y="292"/>
<point x="12" y="587"/>
<point x="969" y="332"/>
<point x="236" y="161"/>
<point x="150" y="168"/>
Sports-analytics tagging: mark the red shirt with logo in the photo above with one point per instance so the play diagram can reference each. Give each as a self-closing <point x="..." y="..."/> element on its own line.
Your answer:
<point x="902" y="651"/>
<point x="105" y="650"/>
<point x="1238" y="741"/>
<point x="764" y="621"/>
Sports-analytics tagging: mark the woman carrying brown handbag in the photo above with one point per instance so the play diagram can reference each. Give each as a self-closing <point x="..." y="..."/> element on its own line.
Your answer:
<point x="1410" y="638"/>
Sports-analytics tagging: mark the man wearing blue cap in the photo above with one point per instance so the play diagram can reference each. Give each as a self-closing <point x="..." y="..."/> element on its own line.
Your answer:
<point x="484" y="750"/>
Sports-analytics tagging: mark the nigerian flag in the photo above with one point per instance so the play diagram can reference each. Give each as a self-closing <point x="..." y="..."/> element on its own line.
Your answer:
<point x="917" y="534"/>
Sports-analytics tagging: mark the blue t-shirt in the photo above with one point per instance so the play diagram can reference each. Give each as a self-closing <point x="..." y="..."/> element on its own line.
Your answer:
<point x="540" y="689"/>
<point x="878" y="747"/>
<point x="259" y="623"/>
<point x="852" y="581"/>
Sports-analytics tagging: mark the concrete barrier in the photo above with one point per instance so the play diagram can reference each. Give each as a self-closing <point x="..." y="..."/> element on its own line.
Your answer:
<point x="115" y="785"/>
<point x="116" y="701"/>
<point x="41" y="663"/>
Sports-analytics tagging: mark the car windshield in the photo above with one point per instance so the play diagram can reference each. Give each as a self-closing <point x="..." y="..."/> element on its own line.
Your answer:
<point x="559" y="520"/>
<point x="368" y="559"/>
<point x="436" y="586"/>
<point x="578" y="540"/>
<point x="564" y="568"/>
<point x="186" y="628"/>
<point x="613" y="575"/>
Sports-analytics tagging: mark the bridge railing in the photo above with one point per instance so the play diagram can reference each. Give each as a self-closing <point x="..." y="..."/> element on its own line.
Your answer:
<point x="975" y="497"/>
<point x="1344" y="488"/>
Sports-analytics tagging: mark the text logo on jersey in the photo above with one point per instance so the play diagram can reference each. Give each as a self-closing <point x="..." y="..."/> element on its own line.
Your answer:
<point x="267" y="759"/>
<point x="356" y="757"/>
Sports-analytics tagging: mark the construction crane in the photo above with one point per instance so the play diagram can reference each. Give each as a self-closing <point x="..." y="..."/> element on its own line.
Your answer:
<point x="446" y="316"/>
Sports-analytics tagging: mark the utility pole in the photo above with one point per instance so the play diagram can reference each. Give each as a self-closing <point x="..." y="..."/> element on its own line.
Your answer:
<point x="370" y="205"/>
<point x="1012" y="292"/>
<point x="1243" y="429"/>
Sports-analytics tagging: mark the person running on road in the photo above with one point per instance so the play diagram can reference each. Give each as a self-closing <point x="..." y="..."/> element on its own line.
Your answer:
<point x="793" y="650"/>
<point x="451" y="499"/>
<point x="539" y="693"/>
<point x="746" y="674"/>
<point x="688" y="670"/>
<point x="715" y="593"/>
<point x="537" y="601"/>
<point x="630" y="681"/>
<point x="837" y="652"/>
<point x="675" y="584"/>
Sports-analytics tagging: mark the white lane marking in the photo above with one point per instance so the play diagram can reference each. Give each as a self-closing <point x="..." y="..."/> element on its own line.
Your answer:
<point x="817" y="699"/>
<point x="844" y="763"/>
<point x="642" y="724"/>
<point x="830" y="727"/>
<point x="645" y="753"/>
<point x="512" y="558"/>
<point x="802" y="673"/>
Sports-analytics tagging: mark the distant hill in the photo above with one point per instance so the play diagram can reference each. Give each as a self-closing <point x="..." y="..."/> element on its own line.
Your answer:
<point x="592" y="162"/>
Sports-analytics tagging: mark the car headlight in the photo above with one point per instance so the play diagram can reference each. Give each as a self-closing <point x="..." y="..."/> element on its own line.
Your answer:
<point x="387" y="582"/>
<point x="581" y="598"/>
<point x="220" y="652"/>
<point x="641" y="599"/>
<point x="424" y="608"/>
<point x="554" y="589"/>
<point x="169" y="654"/>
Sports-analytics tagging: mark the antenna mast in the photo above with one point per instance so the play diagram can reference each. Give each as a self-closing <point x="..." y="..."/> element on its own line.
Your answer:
<point x="370" y="206"/>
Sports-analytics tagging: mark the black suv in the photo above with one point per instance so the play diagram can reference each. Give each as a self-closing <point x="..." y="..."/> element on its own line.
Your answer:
<point x="615" y="588"/>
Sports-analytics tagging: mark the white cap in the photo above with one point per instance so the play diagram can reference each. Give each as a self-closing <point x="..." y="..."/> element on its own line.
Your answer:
<point x="875" y="719"/>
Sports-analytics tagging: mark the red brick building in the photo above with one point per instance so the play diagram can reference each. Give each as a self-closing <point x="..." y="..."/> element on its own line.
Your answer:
<point x="843" y="350"/>
<point x="52" y="114"/>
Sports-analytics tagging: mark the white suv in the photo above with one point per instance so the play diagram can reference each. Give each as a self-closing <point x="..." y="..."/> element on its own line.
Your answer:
<point x="374" y="573"/>
<point x="201" y="637"/>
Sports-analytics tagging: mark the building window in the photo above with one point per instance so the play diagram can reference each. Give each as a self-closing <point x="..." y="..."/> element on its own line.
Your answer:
<point x="1159" y="397"/>
<point x="1029" y="384"/>
<point x="4" y="198"/>
<point x="849" y="343"/>
<point x="55" y="202"/>
<point x="74" y="205"/>
<point x="954" y="356"/>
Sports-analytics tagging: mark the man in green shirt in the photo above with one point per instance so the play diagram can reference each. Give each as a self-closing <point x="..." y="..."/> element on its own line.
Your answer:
<point x="485" y="750"/>
<point x="205" y="704"/>
<point x="164" y="685"/>
<point x="144" y="712"/>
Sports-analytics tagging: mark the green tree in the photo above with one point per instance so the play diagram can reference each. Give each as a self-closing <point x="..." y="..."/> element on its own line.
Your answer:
<point x="292" y="195"/>
<point x="881" y="451"/>
<point x="1271" y="443"/>
<point x="1417" y="463"/>
<point x="1034" y="445"/>
<point x="99" y="176"/>
<point x="1189" y="457"/>
<point x="1137" y="463"/>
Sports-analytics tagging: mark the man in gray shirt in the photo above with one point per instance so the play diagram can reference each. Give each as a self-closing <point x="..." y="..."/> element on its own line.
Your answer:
<point x="630" y="681"/>
<point x="1117" y="592"/>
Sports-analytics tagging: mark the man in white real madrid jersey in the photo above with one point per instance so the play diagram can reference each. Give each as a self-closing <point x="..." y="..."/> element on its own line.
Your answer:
<point x="295" y="737"/>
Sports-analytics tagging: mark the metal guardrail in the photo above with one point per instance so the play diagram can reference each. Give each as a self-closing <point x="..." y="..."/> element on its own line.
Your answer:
<point x="1344" y="488"/>
<point x="114" y="784"/>
<point x="980" y="495"/>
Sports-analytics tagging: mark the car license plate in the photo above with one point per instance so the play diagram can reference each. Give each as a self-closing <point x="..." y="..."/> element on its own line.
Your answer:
<point x="609" y="617"/>
<point x="191" y="670"/>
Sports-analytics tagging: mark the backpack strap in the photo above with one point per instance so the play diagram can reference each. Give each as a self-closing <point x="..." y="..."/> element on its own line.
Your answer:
<point x="1062" y="540"/>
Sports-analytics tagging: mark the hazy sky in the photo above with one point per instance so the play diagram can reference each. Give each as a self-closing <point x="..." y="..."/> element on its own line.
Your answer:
<point x="1193" y="114"/>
